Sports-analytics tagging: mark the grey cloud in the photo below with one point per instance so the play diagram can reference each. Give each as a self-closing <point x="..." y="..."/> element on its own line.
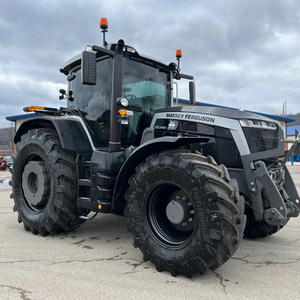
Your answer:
<point x="37" y="37"/>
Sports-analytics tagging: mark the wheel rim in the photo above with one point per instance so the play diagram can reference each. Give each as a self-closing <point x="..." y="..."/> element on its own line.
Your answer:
<point x="170" y="215"/>
<point x="35" y="185"/>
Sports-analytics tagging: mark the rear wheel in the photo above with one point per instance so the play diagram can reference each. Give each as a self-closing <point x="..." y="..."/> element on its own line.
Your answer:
<point x="44" y="184"/>
<point x="185" y="213"/>
<point x="259" y="229"/>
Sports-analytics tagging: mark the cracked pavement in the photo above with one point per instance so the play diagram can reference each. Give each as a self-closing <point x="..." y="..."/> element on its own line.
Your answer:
<point x="98" y="261"/>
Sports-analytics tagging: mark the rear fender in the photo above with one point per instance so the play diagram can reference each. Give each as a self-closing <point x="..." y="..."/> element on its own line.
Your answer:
<point x="71" y="133"/>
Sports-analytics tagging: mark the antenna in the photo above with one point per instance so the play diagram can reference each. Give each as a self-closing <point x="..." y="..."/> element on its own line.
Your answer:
<point x="104" y="27"/>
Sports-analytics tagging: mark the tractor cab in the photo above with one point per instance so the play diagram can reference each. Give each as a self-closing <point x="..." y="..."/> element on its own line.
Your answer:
<point x="118" y="90"/>
<point x="145" y="84"/>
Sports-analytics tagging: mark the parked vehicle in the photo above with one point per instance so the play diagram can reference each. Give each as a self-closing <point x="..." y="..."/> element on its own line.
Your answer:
<point x="3" y="164"/>
<point x="184" y="176"/>
<point x="9" y="161"/>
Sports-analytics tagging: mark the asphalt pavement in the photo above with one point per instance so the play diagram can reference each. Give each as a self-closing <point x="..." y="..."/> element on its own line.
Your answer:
<point x="98" y="261"/>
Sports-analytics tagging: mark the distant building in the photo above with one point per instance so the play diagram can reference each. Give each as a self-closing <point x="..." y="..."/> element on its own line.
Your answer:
<point x="290" y="134"/>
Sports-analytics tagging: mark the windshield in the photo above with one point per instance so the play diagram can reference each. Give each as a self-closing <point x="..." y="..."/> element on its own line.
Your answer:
<point x="146" y="88"/>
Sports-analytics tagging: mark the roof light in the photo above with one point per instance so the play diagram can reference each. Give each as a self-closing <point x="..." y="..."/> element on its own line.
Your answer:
<point x="33" y="108"/>
<point x="104" y="27"/>
<point x="178" y="53"/>
<point x="178" y="56"/>
<point x="103" y="24"/>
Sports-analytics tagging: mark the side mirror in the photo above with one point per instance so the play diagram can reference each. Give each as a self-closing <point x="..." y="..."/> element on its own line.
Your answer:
<point x="192" y="89"/>
<point x="88" y="68"/>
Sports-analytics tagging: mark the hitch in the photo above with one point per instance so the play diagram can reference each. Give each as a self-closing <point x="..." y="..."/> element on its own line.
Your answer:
<point x="282" y="205"/>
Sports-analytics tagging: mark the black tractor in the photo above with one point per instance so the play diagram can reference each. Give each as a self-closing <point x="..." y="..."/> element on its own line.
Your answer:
<point x="187" y="177"/>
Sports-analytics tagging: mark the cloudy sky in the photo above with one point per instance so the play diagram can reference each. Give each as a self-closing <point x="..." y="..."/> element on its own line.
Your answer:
<point x="242" y="53"/>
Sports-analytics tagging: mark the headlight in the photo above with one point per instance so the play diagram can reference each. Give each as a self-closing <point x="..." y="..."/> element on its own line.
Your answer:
<point x="122" y="101"/>
<point x="258" y="124"/>
<point x="260" y="135"/>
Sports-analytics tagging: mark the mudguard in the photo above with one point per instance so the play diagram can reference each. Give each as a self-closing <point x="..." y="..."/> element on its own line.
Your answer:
<point x="140" y="154"/>
<point x="71" y="133"/>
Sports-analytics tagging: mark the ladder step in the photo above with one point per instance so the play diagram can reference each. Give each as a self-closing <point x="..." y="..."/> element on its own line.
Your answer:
<point x="85" y="182"/>
<point x="84" y="202"/>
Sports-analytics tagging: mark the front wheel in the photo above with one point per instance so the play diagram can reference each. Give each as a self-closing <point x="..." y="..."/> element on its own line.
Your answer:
<point x="185" y="213"/>
<point x="44" y="184"/>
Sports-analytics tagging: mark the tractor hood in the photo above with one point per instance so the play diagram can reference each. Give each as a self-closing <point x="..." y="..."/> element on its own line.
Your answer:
<point x="217" y="111"/>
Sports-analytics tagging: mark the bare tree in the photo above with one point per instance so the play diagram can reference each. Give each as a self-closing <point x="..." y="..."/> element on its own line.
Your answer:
<point x="10" y="133"/>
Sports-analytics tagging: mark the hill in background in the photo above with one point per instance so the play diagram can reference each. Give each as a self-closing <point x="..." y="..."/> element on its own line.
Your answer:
<point x="296" y="117"/>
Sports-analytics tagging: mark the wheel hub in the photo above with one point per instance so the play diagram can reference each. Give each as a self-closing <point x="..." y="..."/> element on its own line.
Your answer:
<point x="177" y="211"/>
<point x="180" y="211"/>
<point x="35" y="183"/>
<point x="170" y="215"/>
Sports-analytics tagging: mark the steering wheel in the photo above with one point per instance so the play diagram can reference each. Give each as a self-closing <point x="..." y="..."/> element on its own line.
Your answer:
<point x="132" y="97"/>
<point x="157" y="98"/>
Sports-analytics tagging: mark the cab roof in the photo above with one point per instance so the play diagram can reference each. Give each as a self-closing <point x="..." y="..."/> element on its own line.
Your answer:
<point x="129" y="52"/>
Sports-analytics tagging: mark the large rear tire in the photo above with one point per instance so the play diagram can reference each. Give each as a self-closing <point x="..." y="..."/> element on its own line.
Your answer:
<point x="44" y="184"/>
<point x="185" y="213"/>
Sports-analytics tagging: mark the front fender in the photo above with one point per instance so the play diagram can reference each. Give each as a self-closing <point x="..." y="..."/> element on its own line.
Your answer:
<point x="139" y="155"/>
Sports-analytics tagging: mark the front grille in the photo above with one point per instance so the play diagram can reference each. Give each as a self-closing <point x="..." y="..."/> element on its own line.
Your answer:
<point x="261" y="139"/>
